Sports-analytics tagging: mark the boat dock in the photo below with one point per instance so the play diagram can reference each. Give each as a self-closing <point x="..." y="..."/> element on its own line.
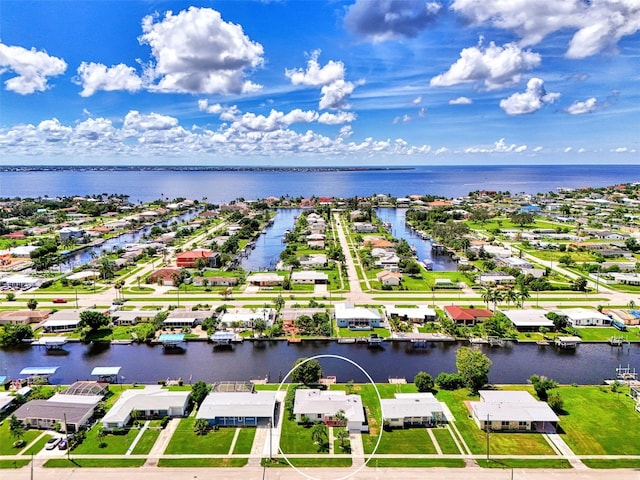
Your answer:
<point x="568" y="343"/>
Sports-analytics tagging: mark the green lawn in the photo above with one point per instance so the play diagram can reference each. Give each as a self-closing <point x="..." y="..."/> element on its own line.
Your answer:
<point x="244" y="442"/>
<point x="603" y="334"/>
<point x="185" y="441"/>
<point x="614" y="463"/>
<point x="145" y="444"/>
<point x="203" y="462"/>
<point x="35" y="447"/>
<point x="6" y="440"/>
<point x="13" y="463"/>
<point x="445" y="440"/>
<point x="595" y="419"/>
<point x="296" y="439"/>
<point x="328" y="462"/>
<point x="525" y="463"/>
<point x="94" y="463"/>
<point x="416" y="462"/>
<point x="500" y="443"/>
<point x="409" y="441"/>
<point x="346" y="333"/>
<point x="115" y="444"/>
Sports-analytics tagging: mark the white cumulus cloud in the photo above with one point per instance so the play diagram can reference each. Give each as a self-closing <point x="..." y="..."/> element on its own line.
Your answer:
<point x="96" y="76"/>
<point x="460" y="101"/>
<point x="274" y="121"/>
<point x="529" y="101"/>
<point x="598" y="24"/>
<point x="31" y="67"/>
<point x="224" y="113"/>
<point x="495" y="67"/>
<point x="135" y="121"/>
<point x="579" y="108"/>
<point x="338" y="118"/>
<point x="335" y="94"/>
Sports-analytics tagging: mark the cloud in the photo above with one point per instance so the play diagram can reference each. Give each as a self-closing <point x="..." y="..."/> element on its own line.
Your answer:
<point x="336" y="118"/>
<point x="619" y="150"/>
<point x="31" y="67"/>
<point x="498" y="147"/>
<point x="224" y="113"/>
<point x="494" y="66"/>
<point x="461" y="101"/>
<point x="598" y="25"/>
<point x="135" y="121"/>
<point x="579" y="108"/>
<point x="417" y="100"/>
<point x="196" y="51"/>
<point x="95" y="76"/>
<point x="94" y="130"/>
<point x="275" y="121"/>
<point x="380" y="20"/>
<point x="530" y="101"/>
<point x="335" y="90"/>
<point x="53" y="131"/>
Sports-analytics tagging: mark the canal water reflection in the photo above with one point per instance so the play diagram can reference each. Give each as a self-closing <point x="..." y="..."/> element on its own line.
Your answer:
<point x="589" y="364"/>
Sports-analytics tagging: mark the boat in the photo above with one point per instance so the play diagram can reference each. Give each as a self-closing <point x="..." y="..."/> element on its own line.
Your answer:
<point x="543" y="343"/>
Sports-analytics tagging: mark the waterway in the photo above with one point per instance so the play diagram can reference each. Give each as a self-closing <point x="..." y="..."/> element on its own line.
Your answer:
<point x="266" y="253"/>
<point x="588" y="364"/>
<point x="399" y="229"/>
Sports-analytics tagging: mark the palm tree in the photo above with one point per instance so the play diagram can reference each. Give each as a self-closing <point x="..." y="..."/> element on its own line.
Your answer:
<point x="523" y="294"/>
<point x="319" y="435"/>
<point x="510" y="296"/>
<point x="487" y="295"/>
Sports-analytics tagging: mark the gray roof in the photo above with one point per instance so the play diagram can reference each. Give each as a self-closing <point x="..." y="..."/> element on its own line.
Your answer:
<point x="411" y="405"/>
<point x="314" y="402"/>
<point x="152" y="397"/>
<point x="46" y="409"/>
<point x="238" y="404"/>
<point x="514" y="406"/>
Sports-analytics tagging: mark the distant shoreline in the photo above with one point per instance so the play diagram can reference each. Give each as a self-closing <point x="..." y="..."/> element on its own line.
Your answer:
<point x="190" y="168"/>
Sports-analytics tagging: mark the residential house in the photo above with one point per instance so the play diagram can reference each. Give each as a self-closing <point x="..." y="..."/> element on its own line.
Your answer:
<point x="495" y="278"/>
<point x="188" y="259"/>
<point x="265" y="279"/>
<point x="215" y="281"/>
<point x="365" y="228"/>
<point x="314" y="260"/>
<point x="512" y="410"/>
<point x="237" y="409"/>
<point x="309" y="277"/>
<point x="164" y="276"/>
<point x="324" y="405"/>
<point x="389" y="279"/>
<point x="132" y="317"/>
<point x="315" y="240"/>
<point x="356" y="318"/>
<point x="389" y="262"/>
<point x="152" y="402"/>
<point x="584" y="317"/>
<point x="186" y="318"/>
<point x="246" y="317"/>
<point x="419" y="314"/>
<point x="467" y="316"/>
<point x="62" y="321"/>
<point x="70" y="233"/>
<point x="528" y="320"/>
<point x="626" y="317"/>
<point x="23" y="317"/>
<point x="412" y="409"/>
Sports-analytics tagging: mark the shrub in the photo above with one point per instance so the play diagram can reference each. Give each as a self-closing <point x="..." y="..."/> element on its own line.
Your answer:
<point x="19" y="444"/>
<point x="449" y="381"/>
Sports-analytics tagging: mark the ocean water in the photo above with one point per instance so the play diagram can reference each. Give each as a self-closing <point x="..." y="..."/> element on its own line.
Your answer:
<point x="224" y="185"/>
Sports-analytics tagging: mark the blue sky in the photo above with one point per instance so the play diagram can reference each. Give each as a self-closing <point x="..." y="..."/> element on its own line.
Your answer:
<point x="310" y="82"/>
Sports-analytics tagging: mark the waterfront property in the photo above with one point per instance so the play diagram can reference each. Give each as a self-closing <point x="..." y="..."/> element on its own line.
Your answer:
<point x="356" y="318"/>
<point x="309" y="277"/>
<point x="528" y="320"/>
<point x="324" y="405"/>
<point x="584" y="317"/>
<point x="418" y="314"/>
<point x="62" y="321"/>
<point x="132" y="317"/>
<point x="236" y="409"/>
<point x="190" y="258"/>
<point x="23" y="317"/>
<point x="412" y="409"/>
<point x="265" y="279"/>
<point x="152" y="402"/>
<point x="467" y="316"/>
<point x="185" y="318"/>
<point x="512" y="411"/>
<point x="245" y="317"/>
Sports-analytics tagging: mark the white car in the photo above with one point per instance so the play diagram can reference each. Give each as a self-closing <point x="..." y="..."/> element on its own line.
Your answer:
<point x="52" y="443"/>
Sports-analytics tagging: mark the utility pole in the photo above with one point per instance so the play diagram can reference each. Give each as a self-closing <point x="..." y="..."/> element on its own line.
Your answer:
<point x="488" y="436"/>
<point x="66" y="435"/>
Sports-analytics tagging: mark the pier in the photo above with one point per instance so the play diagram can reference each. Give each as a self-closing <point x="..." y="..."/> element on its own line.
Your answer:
<point x="568" y="343"/>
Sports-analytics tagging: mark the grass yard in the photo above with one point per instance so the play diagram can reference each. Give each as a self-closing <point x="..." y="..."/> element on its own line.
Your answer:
<point x="244" y="442"/>
<point x="524" y="463"/>
<point x="603" y="334"/>
<point x="13" y="463"/>
<point x="145" y="444"/>
<point x="296" y="439"/>
<point x="445" y="440"/>
<point x="407" y="441"/>
<point x="202" y="462"/>
<point x="595" y="418"/>
<point x="115" y="444"/>
<point x="38" y="445"/>
<point x="376" y="462"/>
<point x="95" y="463"/>
<point x="185" y="441"/>
<point x="6" y="440"/>
<point x="346" y="333"/>
<point x="328" y="462"/>
<point x="500" y="443"/>
<point x="613" y="463"/>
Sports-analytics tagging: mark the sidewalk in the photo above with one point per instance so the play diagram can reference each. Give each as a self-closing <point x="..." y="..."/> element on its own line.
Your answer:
<point x="162" y="442"/>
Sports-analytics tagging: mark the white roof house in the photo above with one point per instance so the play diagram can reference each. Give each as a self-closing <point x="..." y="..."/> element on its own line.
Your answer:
<point x="350" y="316"/>
<point x="323" y="405"/>
<point x="511" y="410"/>
<point x="419" y="313"/>
<point x="584" y="317"/>
<point x="246" y="317"/>
<point x="528" y="319"/>
<point x="309" y="276"/>
<point x="412" y="409"/>
<point x="265" y="279"/>
<point x="237" y="408"/>
<point x="152" y="400"/>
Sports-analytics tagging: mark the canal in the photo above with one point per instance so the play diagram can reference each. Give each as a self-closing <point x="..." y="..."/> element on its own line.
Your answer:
<point x="588" y="364"/>
<point x="396" y="217"/>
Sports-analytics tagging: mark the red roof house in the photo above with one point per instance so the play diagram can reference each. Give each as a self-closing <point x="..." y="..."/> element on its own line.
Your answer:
<point x="467" y="316"/>
<point x="188" y="259"/>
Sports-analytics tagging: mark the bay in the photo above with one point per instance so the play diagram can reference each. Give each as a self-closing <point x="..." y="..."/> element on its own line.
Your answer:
<point x="225" y="185"/>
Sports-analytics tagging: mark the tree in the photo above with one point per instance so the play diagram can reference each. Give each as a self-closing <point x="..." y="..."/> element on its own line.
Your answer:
<point x="342" y="435"/>
<point x="542" y="385"/>
<point x="555" y="402"/>
<point x="14" y="334"/>
<point x="107" y="268"/>
<point x="279" y="303"/>
<point x="16" y="427"/>
<point x="259" y="325"/>
<point x="319" y="435"/>
<point x="10" y="297"/>
<point x="449" y="381"/>
<point x="32" y="304"/>
<point x="306" y="371"/>
<point x="93" y="320"/>
<point x="580" y="284"/>
<point x="424" y="382"/>
<point x="473" y="366"/>
<point x="200" y="426"/>
<point x="199" y="391"/>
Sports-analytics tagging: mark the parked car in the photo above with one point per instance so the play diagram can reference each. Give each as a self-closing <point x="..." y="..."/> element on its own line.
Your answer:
<point x="62" y="445"/>
<point x="59" y="300"/>
<point x="52" y="443"/>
